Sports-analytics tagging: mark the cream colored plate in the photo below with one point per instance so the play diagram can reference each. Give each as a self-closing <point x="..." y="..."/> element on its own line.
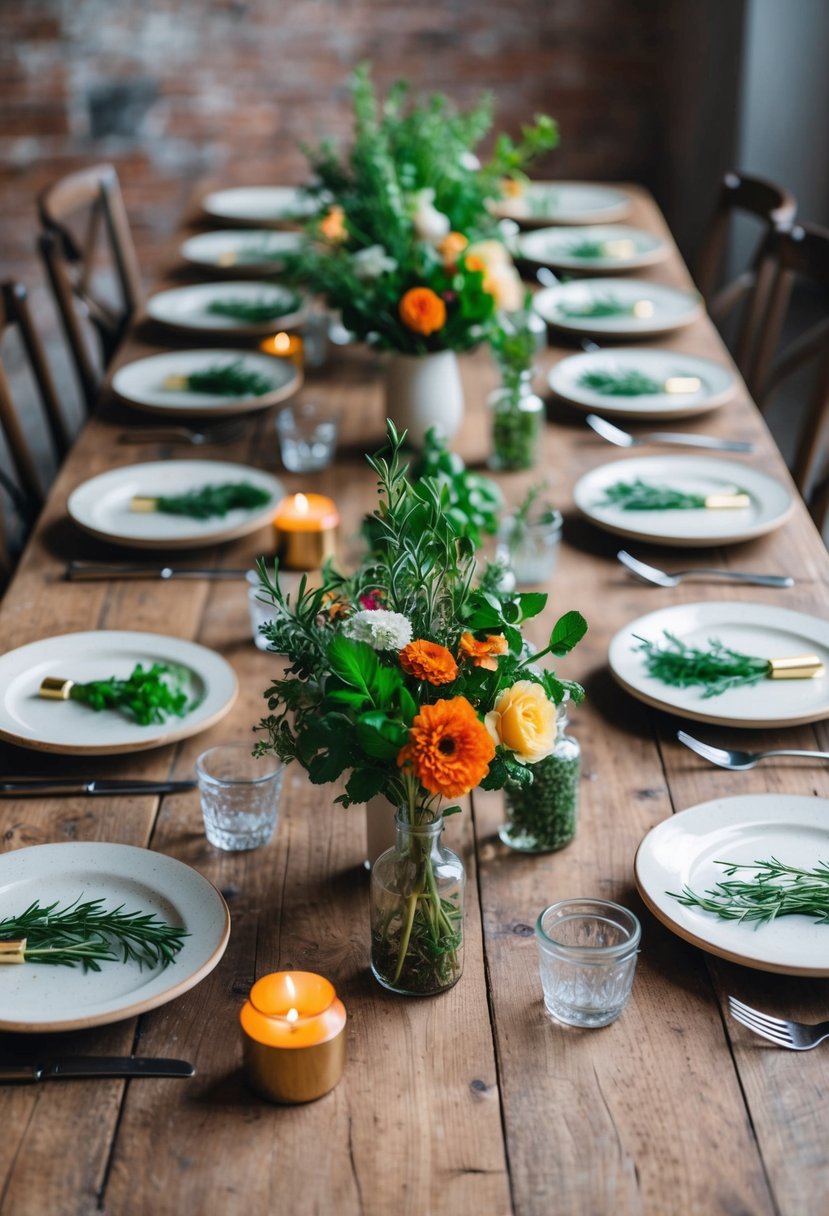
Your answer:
<point x="555" y="247"/>
<point x="756" y="629"/>
<point x="681" y="851"/>
<point x="36" y="999"/>
<point x="274" y="206"/>
<point x="187" y="308"/>
<point x="71" y="728"/>
<point x="770" y="501"/>
<point x="141" y="384"/>
<point x="543" y="202"/>
<point x="259" y="252"/>
<point x="101" y="506"/>
<point x="668" y="309"/>
<point x="717" y="384"/>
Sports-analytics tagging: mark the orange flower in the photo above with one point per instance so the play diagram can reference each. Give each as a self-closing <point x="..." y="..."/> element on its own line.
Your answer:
<point x="510" y="188"/>
<point x="483" y="654"/>
<point x="473" y="262"/>
<point x="451" y="246"/>
<point x="332" y="225"/>
<point x="335" y="606"/>
<point x="428" y="661"/>
<point x="422" y="310"/>
<point x="449" y="748"/>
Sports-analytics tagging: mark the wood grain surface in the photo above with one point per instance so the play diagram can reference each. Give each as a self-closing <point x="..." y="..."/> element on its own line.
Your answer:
<point x="474" y="1103"/>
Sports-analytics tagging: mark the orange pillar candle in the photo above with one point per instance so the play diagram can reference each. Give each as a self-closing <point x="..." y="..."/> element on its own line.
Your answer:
<point x="305" y="526"/>
<point x="293" y="1034"/>
<point x="285" y="346"/>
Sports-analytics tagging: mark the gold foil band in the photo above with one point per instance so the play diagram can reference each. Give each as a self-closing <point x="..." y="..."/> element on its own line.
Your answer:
<point x="141" y="503"/>
<point x="13" y="952"/>
<point x="727" y="502"/>
<point x="682" y="384"/>
<point x="796" y="667"/>
<point x="643" y="309"/>
<point x="304" y="550"/>
<point x="55" y="688"/>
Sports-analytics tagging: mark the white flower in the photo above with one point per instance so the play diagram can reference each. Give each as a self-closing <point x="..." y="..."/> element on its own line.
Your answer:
<point x="468" y="160"/>
<point x="430" y="224"/>
<point x="373" y="261"/>
<point x="383" y="630"/>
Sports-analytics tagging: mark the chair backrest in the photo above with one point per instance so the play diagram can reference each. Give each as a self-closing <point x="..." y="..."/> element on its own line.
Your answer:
<point x="801" y="254"/>
<point x="775" y="208"/>
<point x="75" y="213"/>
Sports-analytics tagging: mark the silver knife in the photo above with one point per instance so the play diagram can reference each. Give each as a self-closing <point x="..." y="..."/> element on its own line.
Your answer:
<point x="87" y="571"/>
<point x="53" y="787"/>
<point x="70" y="1067"/>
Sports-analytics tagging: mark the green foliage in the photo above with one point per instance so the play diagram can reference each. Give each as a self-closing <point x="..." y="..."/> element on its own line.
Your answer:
<point x="627" y="383"/>
<point x="639" y="495"/>
<point x="214" y="500"/>
<point x="774" y="890"/>
<point x="148" y="696"/>
<point x="252" y="312"/>
<point x="716" y="669"/>
<point x="229" y="380"/>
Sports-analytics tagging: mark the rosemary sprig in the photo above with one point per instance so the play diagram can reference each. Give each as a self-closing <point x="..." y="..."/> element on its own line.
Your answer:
<point x="638" y="495"/>
<point x="599" y="306"/>
<point x="716" y="669"/>
<point x="628" y="383"/>
<point x="253" y="311"/>
<point x="775" y="890"/>
<point x="225" y="380"/>
<point x="148" y="695"/>
<point x="213" y="500"/>
<point x="259" y="253"/>
<point x="87" y="933"/>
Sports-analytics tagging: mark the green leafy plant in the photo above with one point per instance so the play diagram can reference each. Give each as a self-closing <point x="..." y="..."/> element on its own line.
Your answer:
<point x="716" y="668"/>
<point x="627" y="383"/>
<point x="252" y="312"/>
<point x="599" y="306"/>
<point x="87" y="934"/>
<point x="212" y="500"/>
<point x="773" y="891"/>
<point x="148" y="695"/>
<point x="226" y="380"/>
<point x="638" y="495"/>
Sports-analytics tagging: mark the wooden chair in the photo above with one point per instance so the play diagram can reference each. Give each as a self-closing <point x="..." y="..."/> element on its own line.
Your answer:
<point x="75" y="212"/>
<point x="801" y="254"/>
<point x="26" y="493"/>
<point x="775" y="208"/>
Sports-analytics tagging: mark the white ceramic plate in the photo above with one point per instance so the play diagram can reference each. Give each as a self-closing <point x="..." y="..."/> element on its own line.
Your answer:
<point x="755" y="629"/>
<point x="35" y="998"/>
<point x="71" y="728"/>
<point x="717" y="384"/>
<point x="141" y="384"/>
<point x="559" y="248"/>
<point x="188" y="308"/>
<point x="276" y="206"/>
<point x="681" y="851"/>
<point x="668" y="309"/>
<point x="770" y="506"/>
<point x="101" y="506"/>
<point x="260" y="251"/>
<point x="543" y="203"/>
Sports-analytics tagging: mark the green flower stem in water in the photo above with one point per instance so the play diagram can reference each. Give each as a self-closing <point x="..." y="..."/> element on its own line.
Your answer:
<point x="515" y="432"/>
<point x="774" y="890"/>
<point x="542" y="815"/>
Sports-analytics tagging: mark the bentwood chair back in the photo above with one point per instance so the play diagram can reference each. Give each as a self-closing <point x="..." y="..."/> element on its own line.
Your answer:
<point x="25" y="490"/>
<point x="76" y="213"/>
<point x="775" y="209"/>
<point x="802" y="256"/>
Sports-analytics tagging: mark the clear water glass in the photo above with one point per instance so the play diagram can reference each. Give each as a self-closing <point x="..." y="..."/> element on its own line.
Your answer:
<point x="307" y="437"/>
<point x="587" y="952"/>
<point x="239" y="796"/>
<point x="529" y="548"/>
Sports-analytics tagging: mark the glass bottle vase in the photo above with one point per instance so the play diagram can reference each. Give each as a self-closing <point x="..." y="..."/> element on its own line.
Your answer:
<point x="541" y="817"/>
<point x="417" y="889"/>
<point x="517" y="420"/>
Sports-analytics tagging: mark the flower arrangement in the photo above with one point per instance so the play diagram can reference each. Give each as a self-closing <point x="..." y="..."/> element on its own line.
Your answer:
<point x="408" y="680"/>
<point x="406" y="246"/>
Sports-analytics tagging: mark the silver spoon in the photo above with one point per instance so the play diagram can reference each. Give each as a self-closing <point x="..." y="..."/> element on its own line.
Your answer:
<point x="737" y="760"/>
<point x="660" y="578"/>
<point x="614" y="434"/>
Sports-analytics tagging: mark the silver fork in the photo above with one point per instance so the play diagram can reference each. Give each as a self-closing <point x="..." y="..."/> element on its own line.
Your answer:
<point x="797" y="1036"/>
<point x="661" y="578"/>
<point x="222" y="433"/>
<point x="737" y="760"/>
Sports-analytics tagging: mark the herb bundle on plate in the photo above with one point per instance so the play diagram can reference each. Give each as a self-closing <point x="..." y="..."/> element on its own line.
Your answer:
<point x="222" y="380"/>
<point x="604" y="306"/>
<point x="148" y="695"/>
<point x="639" y="495"/>
<point x="773" y="891"/>
<point x="717" y="668"/>
<point x="252" y="312"/>
<point x="206" y="502"/>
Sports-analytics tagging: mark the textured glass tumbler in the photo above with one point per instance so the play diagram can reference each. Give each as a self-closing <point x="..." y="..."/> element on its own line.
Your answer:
<point x="239" y="796"/>
<point x="587" y="952"/>
<point x="307" y="437"/>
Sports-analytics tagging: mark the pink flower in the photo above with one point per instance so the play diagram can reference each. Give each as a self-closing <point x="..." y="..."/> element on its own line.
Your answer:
<point x="372" y="601"/>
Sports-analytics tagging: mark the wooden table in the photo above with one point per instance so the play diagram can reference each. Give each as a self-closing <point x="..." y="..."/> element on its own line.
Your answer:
<point x="475" y="1102"/>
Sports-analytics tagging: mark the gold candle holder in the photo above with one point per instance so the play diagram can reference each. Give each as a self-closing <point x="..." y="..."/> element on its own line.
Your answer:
<point x="294" y="1037"/>
<point x="305" y="531"/>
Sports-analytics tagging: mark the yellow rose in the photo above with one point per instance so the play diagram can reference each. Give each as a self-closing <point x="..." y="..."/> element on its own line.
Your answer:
<point x="524" y="720"/>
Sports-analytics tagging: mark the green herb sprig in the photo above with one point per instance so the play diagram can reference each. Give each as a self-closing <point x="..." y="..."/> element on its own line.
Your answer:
<point x="628" y="383"/>
<point x="252" y="312"/>
<point x="149" y="696"/>
<point x="599" y="306"/>
<point x="214" y="500"/>
<point x="717" y="669"/>
<point x="89" y="934"/>
<point x="775" y="890"/>
<point x="641" y="495"/>
<point x="228" y="380"/>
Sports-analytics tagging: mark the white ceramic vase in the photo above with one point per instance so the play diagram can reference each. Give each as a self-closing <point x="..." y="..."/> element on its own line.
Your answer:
<point x="424" y="391"/>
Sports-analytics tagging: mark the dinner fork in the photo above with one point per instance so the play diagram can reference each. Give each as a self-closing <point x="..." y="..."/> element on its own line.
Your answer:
<point x="221" y="433"/>
<point x="797" y="1036"/>
<point x="736" y="760"/>
<point x="661" y="578"/>
<point x="623" y="439"/>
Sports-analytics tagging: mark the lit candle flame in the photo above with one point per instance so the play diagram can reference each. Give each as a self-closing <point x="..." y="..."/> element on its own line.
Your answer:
<point x="301" y="508"/>
<point x="292" y="1015"/>
<point x="282" y="343"/>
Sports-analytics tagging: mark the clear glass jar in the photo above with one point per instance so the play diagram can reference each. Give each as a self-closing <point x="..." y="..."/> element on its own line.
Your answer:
<point x="529" y="547"/>
<point x="541" y="817"/>
<point x="517" y="421"/>
<point x="417" y="890"/>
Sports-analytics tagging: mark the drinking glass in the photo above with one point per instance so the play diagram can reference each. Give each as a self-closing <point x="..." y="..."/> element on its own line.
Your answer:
<point x="239" y="796"/>
<point x="529" y="547"/>
<point x="307" y="437"/>
<point x="587" y="952"/>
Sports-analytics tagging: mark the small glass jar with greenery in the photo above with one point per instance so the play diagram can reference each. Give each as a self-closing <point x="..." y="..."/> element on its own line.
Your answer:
<point x="541" y="817"/>
<point x="517" y="411"/>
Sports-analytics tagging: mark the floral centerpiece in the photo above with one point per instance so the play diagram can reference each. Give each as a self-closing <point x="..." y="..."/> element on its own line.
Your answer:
<point x="406" y="248"/>
<point x="407" y="679"/>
